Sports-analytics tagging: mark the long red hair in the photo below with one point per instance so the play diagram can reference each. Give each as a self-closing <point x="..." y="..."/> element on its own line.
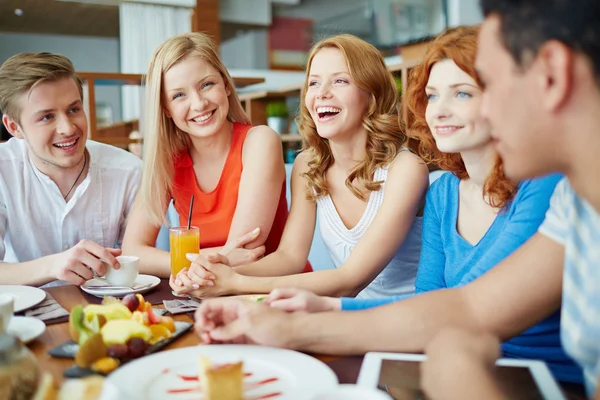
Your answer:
<point x="459" y="45"/>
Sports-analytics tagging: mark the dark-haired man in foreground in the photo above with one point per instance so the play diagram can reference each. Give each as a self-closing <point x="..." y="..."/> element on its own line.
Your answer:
<point x="540" y="62"/>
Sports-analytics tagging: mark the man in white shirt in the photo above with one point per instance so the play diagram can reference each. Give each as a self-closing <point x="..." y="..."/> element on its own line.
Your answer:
<point x="64" y="200"/>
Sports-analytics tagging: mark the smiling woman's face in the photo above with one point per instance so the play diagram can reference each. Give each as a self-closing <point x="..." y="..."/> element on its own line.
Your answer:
<point x="454" y="109"/>
<point x="336" y="104"/>
<point x="195" y="97"/>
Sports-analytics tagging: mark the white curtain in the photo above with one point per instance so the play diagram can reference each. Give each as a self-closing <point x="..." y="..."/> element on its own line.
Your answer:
<point x="142" y="28"/>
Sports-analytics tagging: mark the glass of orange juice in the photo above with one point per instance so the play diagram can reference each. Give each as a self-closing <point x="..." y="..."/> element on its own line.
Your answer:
<point x="183" y="241"/>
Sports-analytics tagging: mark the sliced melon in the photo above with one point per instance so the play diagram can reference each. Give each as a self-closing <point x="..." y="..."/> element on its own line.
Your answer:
<point x="119" y="331"/>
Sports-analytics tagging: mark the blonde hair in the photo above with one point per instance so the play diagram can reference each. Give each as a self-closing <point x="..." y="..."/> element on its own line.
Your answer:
<point x="162" y="140"/>
<point x="22" y="72"/>
<point x="384" y="136"/>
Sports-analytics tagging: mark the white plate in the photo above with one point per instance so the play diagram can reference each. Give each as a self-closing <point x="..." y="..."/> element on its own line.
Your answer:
<point x="546" y="385"/>
<point x="353" y="392"/>
<point x="289" y="374"/>
<point x="141" y="280"/>
<point x="25" y="296"/>
<point x="26" y="328"/>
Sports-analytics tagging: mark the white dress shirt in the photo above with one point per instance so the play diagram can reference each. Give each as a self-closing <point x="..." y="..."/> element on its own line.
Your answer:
<point x="35" y="220"/>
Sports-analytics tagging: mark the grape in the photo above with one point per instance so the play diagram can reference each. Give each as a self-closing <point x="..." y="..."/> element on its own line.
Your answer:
<point x="119" y="351"/>
<point x="131" y="301"/>
<point x="137" y="347"/>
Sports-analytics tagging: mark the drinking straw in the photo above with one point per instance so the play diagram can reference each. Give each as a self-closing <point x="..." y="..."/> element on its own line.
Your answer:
<point x="190" y="214"/>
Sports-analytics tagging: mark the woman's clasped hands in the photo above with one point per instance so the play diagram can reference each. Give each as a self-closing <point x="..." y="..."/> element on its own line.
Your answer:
<point x="211" y="275"/>
<point x="208" y="276"/>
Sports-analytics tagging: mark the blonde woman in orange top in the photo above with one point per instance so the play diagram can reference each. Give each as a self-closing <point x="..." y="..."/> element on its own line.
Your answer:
<point x="199" y="142"/>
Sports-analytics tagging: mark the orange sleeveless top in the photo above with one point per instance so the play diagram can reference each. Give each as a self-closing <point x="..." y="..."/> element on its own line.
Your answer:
<point x="213" y="212"/>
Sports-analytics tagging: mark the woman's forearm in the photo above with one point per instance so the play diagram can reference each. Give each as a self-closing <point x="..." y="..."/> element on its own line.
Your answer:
<point x="274" y="265"/>
<point x="353" y="304"/>
<point x="334" y="283"/>
<point x="153" y="261"/>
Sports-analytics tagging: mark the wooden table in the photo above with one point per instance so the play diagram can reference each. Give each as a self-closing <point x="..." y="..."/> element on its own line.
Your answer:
<point x="346" y="368"/>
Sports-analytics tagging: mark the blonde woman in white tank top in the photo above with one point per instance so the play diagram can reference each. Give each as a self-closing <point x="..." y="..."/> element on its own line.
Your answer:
<point x="355" y="173"/>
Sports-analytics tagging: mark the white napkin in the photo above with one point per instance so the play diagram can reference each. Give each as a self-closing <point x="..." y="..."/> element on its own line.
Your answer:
<point x="181" y="306"/>
<point x="47" y="310"/>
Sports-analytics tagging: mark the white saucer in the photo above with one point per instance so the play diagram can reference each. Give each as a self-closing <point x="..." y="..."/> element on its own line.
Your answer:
<point x="141" y="280"/>
<point x="26" y="328"/>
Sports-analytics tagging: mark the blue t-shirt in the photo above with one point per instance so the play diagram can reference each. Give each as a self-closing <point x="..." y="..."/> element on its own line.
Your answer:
<point x="575" y="224"/>
<point x="448" y="260"/>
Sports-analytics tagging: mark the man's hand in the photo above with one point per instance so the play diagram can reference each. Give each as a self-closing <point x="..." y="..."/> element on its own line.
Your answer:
<point x="291" y="299"/>
<point x="243" y="321"/>
<point x="460" y="365"/>
<point x="78" y="264"/>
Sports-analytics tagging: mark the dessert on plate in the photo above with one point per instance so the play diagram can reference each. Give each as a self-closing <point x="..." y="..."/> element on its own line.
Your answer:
<point x="221" y="382"/>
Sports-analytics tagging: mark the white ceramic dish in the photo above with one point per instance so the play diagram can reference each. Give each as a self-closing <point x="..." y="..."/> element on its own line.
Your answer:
<point x="25" y="296"/>
<point x="7" y="309"/>
<point x="546" y="385"/>
<point x="352" y="392"/>
<point x="26" y="328"/>
<point x="141" y="281"/>
<point x="271" y="373"/>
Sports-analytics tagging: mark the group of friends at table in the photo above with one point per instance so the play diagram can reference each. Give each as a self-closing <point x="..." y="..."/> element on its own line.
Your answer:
<point x="503" y="248"/>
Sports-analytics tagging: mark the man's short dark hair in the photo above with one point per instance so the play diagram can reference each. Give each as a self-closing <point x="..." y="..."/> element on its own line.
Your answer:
<point x="527" y="24"/>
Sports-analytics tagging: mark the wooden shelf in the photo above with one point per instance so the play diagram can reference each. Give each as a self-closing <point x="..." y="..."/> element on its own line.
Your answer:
<point x="255" y="103"/>
<point x="290" y="137"/>
<point x="269" y="95"/>
<point x="241" y="82"/>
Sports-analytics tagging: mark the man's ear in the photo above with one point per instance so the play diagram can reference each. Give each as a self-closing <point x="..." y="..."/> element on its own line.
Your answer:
<point x="556" y="79"/>
<point x="12" y="126"/>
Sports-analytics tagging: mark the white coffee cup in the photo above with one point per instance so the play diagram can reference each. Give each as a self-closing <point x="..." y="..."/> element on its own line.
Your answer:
<point x="126" y="275"/>
<point x="7" y="309"/>
<point x="352" y="392"/>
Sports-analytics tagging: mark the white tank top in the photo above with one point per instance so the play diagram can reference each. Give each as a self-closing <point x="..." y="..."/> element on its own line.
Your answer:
<point x="398" y="277"/>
